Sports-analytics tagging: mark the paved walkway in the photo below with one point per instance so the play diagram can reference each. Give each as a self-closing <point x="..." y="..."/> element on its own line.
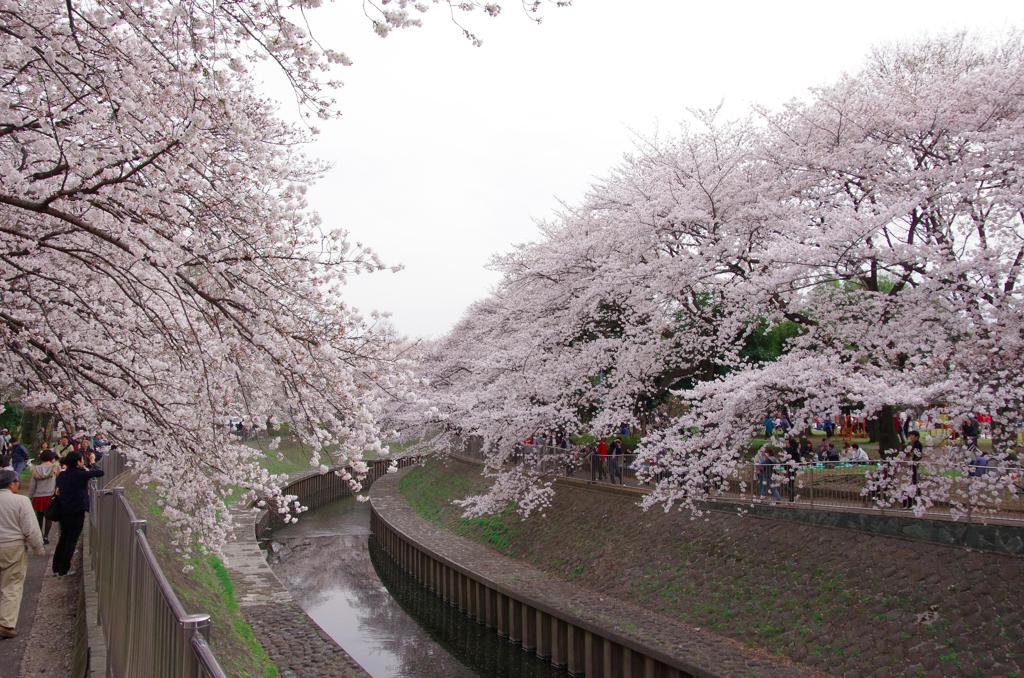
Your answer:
<point x="293" y="641"/>
<point x="689" y="645"/>
<point x="45" y="615"/>
<point x="55" y="617"/>
<point x="13" y="649"/>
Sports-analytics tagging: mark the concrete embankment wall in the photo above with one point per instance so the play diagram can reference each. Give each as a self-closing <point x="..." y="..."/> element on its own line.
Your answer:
<point x="558" y="621"/>
<point x="314" y="489"/>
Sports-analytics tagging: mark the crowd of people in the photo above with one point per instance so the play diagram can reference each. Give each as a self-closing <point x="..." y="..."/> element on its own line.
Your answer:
<point x="57" y="491"/>
<point x="777" y="463"/>
<point x="772" y="462"/>
<point x="606" y="455"/>
<point x="607" y="460"/>
<point x="796" y="453"/>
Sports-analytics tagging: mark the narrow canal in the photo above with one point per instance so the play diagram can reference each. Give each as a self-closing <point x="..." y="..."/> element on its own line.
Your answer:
<point x="389" y="623"/>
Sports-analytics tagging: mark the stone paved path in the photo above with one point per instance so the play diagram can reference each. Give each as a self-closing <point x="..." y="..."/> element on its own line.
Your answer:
<point x="692" y="646"/>
<point x="13" y="649"/>
<point x="54" y="618"/>
<point x="293" y="641"/>
<point x="47" y="612"/>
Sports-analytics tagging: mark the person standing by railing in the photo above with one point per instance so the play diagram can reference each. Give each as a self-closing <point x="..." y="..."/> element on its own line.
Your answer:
<point x="568" y="458"/>
<point x="759" y="484"/>
<point x="916" y="453"/>
<point x="590" y="455"/>
<point x="73" y="490"/>
<point x="615" y="461"/>
<point x="792" y="461"/>
<point x="764" y="467"/>
<point x="18" y="530"/>
<point x="599" y="458"/>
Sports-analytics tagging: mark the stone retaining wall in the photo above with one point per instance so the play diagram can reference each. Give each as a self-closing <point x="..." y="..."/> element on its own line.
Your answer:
<point x="293" y="641"/>
<point x="558" y="620"/>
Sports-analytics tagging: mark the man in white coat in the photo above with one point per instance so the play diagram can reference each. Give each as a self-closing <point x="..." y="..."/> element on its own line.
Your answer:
<point x="19" y="530"/>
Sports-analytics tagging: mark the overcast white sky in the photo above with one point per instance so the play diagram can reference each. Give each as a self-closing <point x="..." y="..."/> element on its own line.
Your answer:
<point x="447" y="153"/>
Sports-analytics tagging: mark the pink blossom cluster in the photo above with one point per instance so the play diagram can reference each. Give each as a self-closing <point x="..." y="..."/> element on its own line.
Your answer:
<point x="881" y="218"/>
<point x="162" y="272"/>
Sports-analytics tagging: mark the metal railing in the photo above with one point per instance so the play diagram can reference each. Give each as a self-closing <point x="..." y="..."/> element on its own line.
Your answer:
<point x="113" y="465"/>
<point x="928" y="489"/>
<point x="974" y="493"/>
<point x="147" y="630"/>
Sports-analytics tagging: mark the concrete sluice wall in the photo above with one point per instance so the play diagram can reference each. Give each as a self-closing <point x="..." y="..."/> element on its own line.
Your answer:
<point x="558" y="621"/>
<point x="386" y="620"/>
<point x="565" y="644"/>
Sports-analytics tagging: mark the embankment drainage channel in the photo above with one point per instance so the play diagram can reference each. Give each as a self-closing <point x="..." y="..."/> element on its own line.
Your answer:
<point x="582" y="651"/>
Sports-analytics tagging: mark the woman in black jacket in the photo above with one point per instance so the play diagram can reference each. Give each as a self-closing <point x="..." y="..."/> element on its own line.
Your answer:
<point x="73" y="489"/>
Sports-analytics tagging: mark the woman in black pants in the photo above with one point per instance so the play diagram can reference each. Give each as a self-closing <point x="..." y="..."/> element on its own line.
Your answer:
<point x="73" y="489"/>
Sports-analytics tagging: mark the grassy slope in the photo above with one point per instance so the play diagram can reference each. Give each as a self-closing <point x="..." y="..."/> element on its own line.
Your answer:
<point x="289" y="457"/>
<point x="207" y="588"/>
<point x="293" y="457"/>
<point x="824" y="597"/>
<point x="430" y="490"/>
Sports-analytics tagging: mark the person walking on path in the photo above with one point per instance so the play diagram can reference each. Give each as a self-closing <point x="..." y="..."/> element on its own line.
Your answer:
<point x="19" y="456"/>
<point x="18" y="530"/>
<point x="41" y="487"/>
<point x="73" y="489"/>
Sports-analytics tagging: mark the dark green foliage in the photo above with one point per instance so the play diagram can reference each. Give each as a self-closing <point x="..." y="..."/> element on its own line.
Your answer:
<point x="766" y="343"/>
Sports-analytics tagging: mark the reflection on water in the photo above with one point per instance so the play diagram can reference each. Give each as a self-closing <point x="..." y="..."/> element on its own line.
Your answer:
<point x="475" y="645"/>
<point x="394" y="627"/>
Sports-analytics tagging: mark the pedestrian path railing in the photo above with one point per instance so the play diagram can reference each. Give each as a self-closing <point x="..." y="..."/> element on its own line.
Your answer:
<point x="970" y="492"/>
<point x="146" y="628"/>
<point x="113" y="465"/>
<point x="924" y="489"/>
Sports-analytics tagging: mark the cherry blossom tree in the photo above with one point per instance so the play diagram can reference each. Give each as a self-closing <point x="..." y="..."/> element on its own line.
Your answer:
<point x="161" y="268"/>
<point x="879" y="222"/>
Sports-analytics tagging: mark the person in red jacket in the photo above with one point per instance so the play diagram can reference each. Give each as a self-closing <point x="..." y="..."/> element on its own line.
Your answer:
<point x="599" y="458"/>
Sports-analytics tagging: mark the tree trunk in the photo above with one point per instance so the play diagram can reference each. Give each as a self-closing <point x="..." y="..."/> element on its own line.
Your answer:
<point x="35" y="427"/>
<point x="882" y="429"/>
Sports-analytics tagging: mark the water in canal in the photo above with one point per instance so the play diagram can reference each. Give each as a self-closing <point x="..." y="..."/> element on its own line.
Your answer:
<point x="389" y="623"/>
